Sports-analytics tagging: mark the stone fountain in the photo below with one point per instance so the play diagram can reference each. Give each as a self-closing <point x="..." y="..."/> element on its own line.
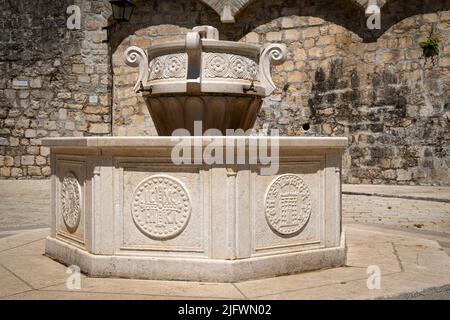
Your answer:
<point x="126" y="207"/>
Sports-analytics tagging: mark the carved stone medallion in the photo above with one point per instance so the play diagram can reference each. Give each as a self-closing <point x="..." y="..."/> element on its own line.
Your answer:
<point x="161" y="207"/>
<point x="71" y="202"/>
<point x="288" y="204"/>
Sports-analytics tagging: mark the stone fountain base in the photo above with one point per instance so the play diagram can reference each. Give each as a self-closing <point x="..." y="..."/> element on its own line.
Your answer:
<point x="122" y="208"/>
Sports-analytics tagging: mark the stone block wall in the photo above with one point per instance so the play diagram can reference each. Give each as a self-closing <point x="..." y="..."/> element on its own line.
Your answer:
<point x="340" y="79"/>
<point x="47" y="74"/>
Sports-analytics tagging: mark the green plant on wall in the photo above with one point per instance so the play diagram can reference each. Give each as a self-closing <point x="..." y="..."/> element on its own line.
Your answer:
<point x="430" y="47"/>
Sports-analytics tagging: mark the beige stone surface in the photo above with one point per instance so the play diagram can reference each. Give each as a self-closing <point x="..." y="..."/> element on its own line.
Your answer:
<point x="10" y="283"/>
<point x="37" y="270"/>
<point x="408" y="213"/>
<point x="405" y="192"/>
<point x="146" y="142"/>
<point x="58" y="295"/>
<point x="423" y="264"/>
<point x="14" y="241"/>
<point x="24" y="204"/>
<point x="175" y="289"/>
<point x="133" y="213"/>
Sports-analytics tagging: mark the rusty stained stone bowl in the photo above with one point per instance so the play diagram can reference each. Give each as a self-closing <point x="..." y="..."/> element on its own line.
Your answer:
<point x="221" y="83"/>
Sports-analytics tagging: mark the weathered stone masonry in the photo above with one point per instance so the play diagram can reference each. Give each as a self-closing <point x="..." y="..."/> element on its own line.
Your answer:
<point x="62" y="68"/>
<point x="339" y="79"/>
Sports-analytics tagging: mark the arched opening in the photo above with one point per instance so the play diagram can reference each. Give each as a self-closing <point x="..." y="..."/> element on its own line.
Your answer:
<point x="340" y="78"/>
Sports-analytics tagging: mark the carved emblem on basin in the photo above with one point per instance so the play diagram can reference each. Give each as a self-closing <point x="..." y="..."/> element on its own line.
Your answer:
<point x="71" y="202"/>
<point x="161" y="207"/>
<point x="288" y="204"/>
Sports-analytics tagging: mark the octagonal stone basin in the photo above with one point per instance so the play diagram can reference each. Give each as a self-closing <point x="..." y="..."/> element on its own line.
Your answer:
<point x="123" y="207"/>
<point x="220" y="83"/>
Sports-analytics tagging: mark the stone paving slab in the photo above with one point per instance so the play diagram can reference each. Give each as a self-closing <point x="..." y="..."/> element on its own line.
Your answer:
<point x="442" y="238"/>
<point x="157" y="288"/>
<point x="24" y="204"/>
<point x="413" y="214"/>
<point x="418" y="192"/>
<point x="11" y="284"/>
<point x="408" y="264"/>
<point x="18" y="240"/>
<point x="58" y="295"/>
<point x="376" y="222"/>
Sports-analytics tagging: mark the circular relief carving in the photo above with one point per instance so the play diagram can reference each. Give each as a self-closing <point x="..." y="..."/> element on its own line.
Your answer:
<point x="222" y="65"/>
<point x="168" y="67"/>
<point x="161" y="207"/>
<point x="174" y="66"/>
<point x="239" y="67"/>
<point x="288" y="204"/>
<point x="217" y="65"/>
<point x="71" y="202"/>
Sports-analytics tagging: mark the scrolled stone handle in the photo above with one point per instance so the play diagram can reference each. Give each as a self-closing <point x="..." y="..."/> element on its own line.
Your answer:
<point x="270" y="54"/>
<point x="137" y="57"/>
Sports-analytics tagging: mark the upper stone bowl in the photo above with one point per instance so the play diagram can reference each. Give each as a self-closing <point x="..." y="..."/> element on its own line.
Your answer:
<point x="220" y="83"/>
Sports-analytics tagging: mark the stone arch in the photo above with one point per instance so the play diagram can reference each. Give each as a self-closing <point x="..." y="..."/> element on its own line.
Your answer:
<point x="334" y="91"/>
<point x="392" y="11"/>
<point x="353" y="19"/>
<point x="395" y="11"/>
<point x="228" y="9"/>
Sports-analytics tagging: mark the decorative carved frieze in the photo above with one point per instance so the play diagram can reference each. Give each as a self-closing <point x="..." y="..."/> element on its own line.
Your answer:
<point x="171" y="66"/>
<point x="202" y="56"/>
<point x="223" y="65"/>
